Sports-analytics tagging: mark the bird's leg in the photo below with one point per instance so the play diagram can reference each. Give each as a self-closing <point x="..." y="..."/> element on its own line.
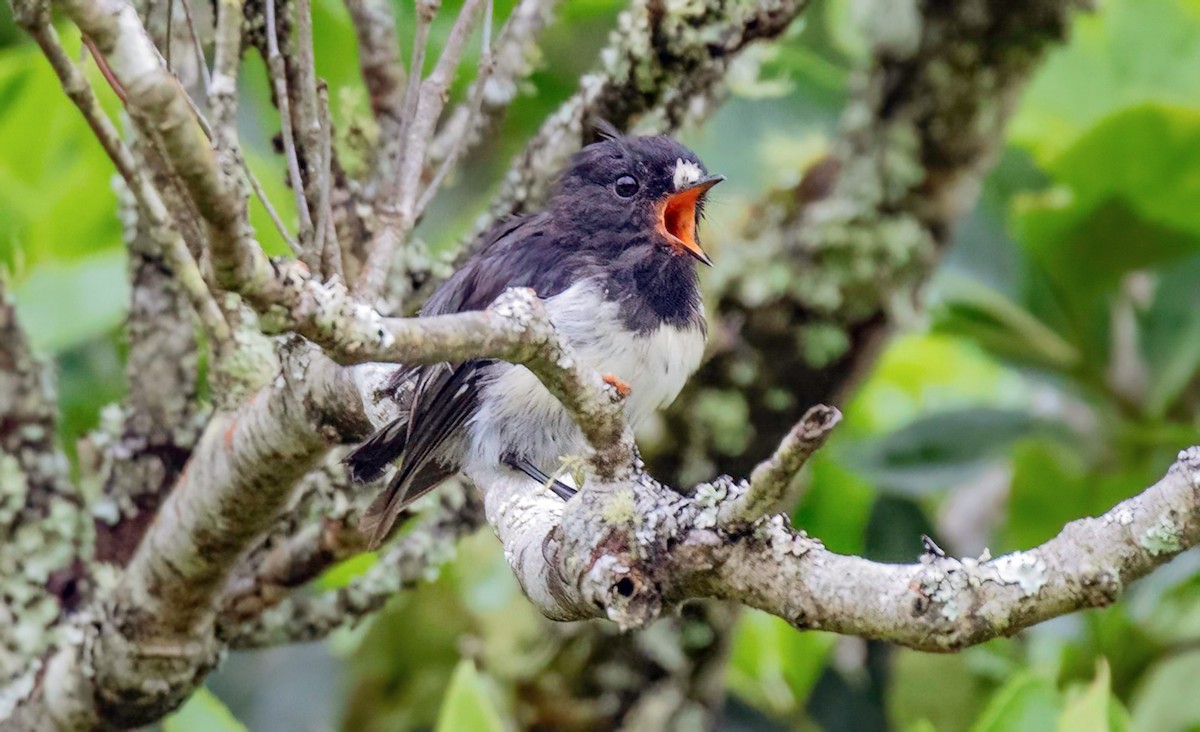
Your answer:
<point x="560" y="489"/>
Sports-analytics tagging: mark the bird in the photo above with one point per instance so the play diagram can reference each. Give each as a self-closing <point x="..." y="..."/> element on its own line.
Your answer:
<point x="612" y="256"/>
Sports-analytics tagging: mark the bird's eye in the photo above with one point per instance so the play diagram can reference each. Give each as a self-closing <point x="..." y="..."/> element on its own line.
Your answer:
<point x="627" y="185"/>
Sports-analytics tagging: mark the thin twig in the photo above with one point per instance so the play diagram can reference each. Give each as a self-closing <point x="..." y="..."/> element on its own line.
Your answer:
<point x="426" y="12"/>
<point x="327" y="244"/>
<point x="512" y="60"/>
<point x="105" y="71"/>
<point x="255" y="185"/>
<point x="307" y="104"/>
<point x="487" y="65"/>
<point x="399" y="218"/>
<point x="769" y="482"/>
<point x="195" y="36"/>
<point x="279" y="81"/>
<point x="167" y="40"/>
<point x="379" y="61"/>
<point x="149" y="202"/>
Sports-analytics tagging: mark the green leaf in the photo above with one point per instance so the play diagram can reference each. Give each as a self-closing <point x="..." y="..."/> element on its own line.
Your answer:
<point x="56" y="196"/>
<point x="938" y="689"/>
<point x="66" y="303"/>
<point x="1170" y="336"/>
<point x="1027" y="703"/>
<point x="836" y="506"/>
<point x="1115" y="638"/>
<point x="1089" y="711"/>
<point x="468" y="704"/>
<point x="772" y="665"/>
<point x="1124" y="201"/>
<point x="972" y="310"/>
<point x="1052" y="486"/>
<point x="345" y="571"/>
<point x="1175" y="616"/>
<point x="204" y="712"/>
<point x="1167" y="701"/>
<point x="940" y="451"/>
<point x="922" y="372"/>
<point x="1129" y="52"/>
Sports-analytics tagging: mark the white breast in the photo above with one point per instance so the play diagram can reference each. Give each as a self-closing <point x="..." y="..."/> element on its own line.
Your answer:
<point x="517" y="414"/>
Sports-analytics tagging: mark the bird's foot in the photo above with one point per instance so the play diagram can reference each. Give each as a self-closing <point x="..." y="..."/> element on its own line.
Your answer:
<point x="560" y="489"/>
<point x="623" y="388"/>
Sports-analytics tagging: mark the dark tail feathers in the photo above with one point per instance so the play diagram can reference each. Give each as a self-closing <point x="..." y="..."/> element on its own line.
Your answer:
<point x="369" y="460"/>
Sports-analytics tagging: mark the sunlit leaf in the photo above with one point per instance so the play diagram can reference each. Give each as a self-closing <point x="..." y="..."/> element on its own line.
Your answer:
<point x="1133" y="51"/>
<point x="468" y="704"/>
<point x="345" y="572"/>
<point x="1167" y="700"/>
<point x="972" y="310"/>
<point x="772" y="665"/>
<point x="1124" y="201"/>
<point x="940" y="450"/>
<point x="1089" y="709"/>
<point x="1027" y="703"/>
<point x="203" y="712"/>
<point x="64" y="303"/>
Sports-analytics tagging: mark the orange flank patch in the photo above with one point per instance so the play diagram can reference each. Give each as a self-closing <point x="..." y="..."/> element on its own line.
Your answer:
<point x="229" y="433"/>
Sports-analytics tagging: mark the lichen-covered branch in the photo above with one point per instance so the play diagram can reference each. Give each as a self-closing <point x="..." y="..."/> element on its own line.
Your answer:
<point x="379" y="59"/>
<point x="661" y="57"/>
<point x="43" y="524"/>
<point x="156" y="621"/>
<point x="161" y="417"/>
<point x="823" y="270"/>
<point x="632" y="550"/>
<point x="857" y="238"/>
<point x="769" y="482"/>
<point x="417" y="556"/>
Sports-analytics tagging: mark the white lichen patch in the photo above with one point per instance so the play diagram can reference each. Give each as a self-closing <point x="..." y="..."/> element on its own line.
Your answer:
<point x="1025" y="569"/>
<point x="1164" y="537"/>
<point x="1189" y="462"/>
<point x="776" y="532"/>
<point x="708" y="498"/>
<point x="1121" y="515"/>
<point x="12" y="497"/>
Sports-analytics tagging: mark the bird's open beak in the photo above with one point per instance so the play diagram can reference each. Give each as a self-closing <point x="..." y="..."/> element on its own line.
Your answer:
<point x="678" y="216"/>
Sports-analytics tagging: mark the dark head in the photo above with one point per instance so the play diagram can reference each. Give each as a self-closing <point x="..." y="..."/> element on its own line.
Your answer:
<point x="650" y="187"/>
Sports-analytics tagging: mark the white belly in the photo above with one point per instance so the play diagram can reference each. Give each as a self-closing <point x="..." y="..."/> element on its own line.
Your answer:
<point x="518" y="415"/>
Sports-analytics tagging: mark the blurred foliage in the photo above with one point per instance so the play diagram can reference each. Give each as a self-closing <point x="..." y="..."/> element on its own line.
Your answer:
<point x="1058" y="372"/>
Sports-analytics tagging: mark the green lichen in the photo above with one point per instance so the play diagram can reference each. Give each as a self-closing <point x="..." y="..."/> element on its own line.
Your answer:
<point x="621" y="508"/>
<point x="823" y="343"/>
<point x="1165" y="537"/>
<point x="243" y="367"/>
<point x="725" y="414"/>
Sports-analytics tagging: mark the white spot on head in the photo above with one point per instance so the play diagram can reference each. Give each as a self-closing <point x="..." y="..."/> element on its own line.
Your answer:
<point x="686" y="173"/>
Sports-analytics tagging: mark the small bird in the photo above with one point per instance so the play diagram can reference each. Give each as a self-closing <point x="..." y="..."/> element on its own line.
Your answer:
<point x="612" y="256"/>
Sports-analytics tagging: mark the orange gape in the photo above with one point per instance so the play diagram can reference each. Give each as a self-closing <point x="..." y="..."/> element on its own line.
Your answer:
<point x="677" y="220"/>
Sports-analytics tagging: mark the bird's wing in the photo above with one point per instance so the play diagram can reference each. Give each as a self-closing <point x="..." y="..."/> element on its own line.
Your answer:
<point x="445" y="395"/>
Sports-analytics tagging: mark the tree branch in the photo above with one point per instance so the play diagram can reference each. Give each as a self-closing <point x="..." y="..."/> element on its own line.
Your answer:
<point x="658" y="59"/>
<point x="416" y="556"/>
<point x="43" y="525"/>
<point x="379" y="60"/>
<point x="632" y="550"/>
